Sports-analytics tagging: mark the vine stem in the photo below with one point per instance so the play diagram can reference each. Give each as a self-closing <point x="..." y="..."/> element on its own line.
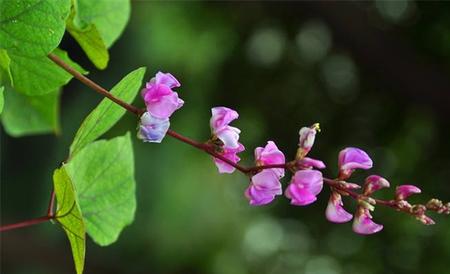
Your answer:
<point x="205" y="147"/>
<point x="201" y="146"/>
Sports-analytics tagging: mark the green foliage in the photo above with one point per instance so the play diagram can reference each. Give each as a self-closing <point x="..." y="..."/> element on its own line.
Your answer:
<point x="25" y="115"/>
<point x="39" y="75"/>
<point x="110" y="17"/>
<point x="32" y="28"/>
<point x="68" y="214"/>
<point x="92" y="43"/>
<point x="107" y="113"/>
<point x="95" y="25"/>
<point x="2" y="100"/>
<point x="5" y="71"/>
<point x="103" y="174"/>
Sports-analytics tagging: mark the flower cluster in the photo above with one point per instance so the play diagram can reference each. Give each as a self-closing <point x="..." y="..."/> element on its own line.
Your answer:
<point x="265" y="178"/>
<point x="225" y="137"/>
<point x="161" y="102"/>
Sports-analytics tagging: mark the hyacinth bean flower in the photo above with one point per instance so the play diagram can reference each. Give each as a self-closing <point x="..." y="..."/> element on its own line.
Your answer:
<point x="265" y="185"/>
<point x="160" y="99"/>
<point x="335" y="211"/>
<point x="304" y="187"/>
<point x="363" y="224"/>
<point x="402" y="192"/>
<point x="307" y="136"/>
<point x="220" y="120"/>
<point x="374" y="183"/>
<point x="270" y="155"/>
<point x="230" y="154"/>
<point x="152" y="129"/>
<point x="228" y="136"/>
<point x="263" y="188"/>
<point x="352" y="158"/>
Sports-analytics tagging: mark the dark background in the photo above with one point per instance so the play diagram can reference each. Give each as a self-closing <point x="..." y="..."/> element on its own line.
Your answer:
<point x="374" y="74"/>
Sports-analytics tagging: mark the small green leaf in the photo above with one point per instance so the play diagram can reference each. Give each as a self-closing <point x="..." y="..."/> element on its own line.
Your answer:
<point x="5" y="70"/>
<point x="1" y="99"/>
<point x="107" y="113"/>
<point x="27" y="115"/>
<point x="103" y="174"/>
<point x="109" y="17"/>
<point x="39" y="75"/>
<point x="32" y="27"/>
<point x="68" y="214"/>
<point x="92" y="44"/>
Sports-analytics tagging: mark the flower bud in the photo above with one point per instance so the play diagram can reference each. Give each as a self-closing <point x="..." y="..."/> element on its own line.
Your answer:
<point x="307" y="135"/>
<point x="363" y="224"/>
<point x="350" y="159"/>
<point x="374" y="183"/>
<point x="404" y="191"/>
<point x="335" y="211"/>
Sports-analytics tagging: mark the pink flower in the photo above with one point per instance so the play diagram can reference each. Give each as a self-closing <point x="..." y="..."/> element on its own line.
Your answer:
<point x="374" y="183"/>
<point x="152" y="129"/>
<point x="307" y="136"/>
<point x="335" y="211"/>
<point x="230" y="154"/>
<point x="304" y="187"/>
<point x="228" y="136"/>
<point x="160" y="99"/>
<point x="264" y="187"/>
<point x="363" y="224"/>
<point x="270" y="155"/>
<point x="404" y="191"/>
<point x="350" y="159"/>
<point x="220" y="120"/>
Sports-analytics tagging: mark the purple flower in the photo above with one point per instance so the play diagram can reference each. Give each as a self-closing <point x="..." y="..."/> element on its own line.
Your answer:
<point x="404" y="191"/>
<point x="335" y="211"/>
<point x="374" y="183"/>
<point x="160" y="99"/>
<point x="263" y="188"/>
<point x="270" y="155"/>
<point x="363" y="224"/>
<point x="228" y="136"/>
<point x="307" y="136"/>
<point x="152" y="129"/>
<point x="230" y="154"/>
<point x="350" y="159"/>
<point x="265" y="185"/>
<point x="304" y="187"/>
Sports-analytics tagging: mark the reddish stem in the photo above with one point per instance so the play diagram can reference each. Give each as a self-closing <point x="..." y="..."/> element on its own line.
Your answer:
<point x="26" y="223"/>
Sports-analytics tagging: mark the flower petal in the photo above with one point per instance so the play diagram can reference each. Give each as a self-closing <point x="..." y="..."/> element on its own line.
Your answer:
<point x="335" y="211"/>
<point x="152" y="129"/>
<point x="363" y="224"/>
<point x="402" y="192"/>
<point x="352" y="158"/>
<point x="374" y="183"/>
<point x="221" y="117"/>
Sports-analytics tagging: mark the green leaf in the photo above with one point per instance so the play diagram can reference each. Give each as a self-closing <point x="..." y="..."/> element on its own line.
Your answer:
<point x="5" y="71"/>
<point x="92" y="43"/>
<point x="68" y="214"/>
<point x="39" y="75"/>
<point x="32" y="27"/>
<point x="109" y="17"/>
<point x="27" y="115"/>
<point x="1" y="99"/>
<point x="103" y="174"/>
<point x="107" y="113"/>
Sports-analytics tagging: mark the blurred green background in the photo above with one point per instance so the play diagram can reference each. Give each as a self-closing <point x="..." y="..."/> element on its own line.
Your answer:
<point x="374" y="74"/>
